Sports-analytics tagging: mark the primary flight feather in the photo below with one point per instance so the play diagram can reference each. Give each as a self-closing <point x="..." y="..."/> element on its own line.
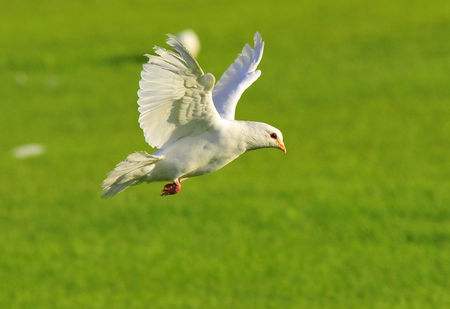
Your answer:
<point x="189" y="120"/>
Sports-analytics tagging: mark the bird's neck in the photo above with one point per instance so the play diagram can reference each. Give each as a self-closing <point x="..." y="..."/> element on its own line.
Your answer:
<point x="250" y="135"/>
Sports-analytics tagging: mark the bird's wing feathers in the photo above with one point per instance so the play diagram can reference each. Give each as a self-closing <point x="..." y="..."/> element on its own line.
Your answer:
<point x="175" y="98"/>
<point x="238" y="77"/>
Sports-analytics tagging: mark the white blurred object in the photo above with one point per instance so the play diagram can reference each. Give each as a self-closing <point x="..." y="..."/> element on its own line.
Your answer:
<point x="190" y="40"/>
<point x="28" y="150"/>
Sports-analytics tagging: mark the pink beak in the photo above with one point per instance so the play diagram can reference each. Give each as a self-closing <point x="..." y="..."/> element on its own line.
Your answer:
<point x="281" y="146"/>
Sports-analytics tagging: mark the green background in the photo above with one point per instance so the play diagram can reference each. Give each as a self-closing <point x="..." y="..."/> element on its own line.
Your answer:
<point x="356" y="215"/>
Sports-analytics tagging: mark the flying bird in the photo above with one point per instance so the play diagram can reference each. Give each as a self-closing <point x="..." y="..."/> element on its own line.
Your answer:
<point x="190" y="120"/>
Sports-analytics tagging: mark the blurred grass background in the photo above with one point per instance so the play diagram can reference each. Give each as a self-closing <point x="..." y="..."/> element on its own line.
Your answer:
<point x="356" y="215"/>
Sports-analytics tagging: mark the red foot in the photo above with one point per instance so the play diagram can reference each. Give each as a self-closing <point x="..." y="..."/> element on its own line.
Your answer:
<point x="171" y="188"/>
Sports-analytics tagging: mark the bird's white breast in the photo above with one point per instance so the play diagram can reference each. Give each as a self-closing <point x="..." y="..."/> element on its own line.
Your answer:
<point x="196" y="155"/>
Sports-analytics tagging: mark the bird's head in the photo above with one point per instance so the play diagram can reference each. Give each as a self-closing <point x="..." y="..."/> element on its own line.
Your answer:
<point x="265" y="136"/>
<point x="276" y="138"/>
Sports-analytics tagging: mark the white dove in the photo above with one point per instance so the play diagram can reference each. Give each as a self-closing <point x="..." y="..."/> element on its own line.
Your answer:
<point x="190" y="121"/>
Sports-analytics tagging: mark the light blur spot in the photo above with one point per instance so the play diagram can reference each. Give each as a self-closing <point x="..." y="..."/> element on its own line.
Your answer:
<point x="21" y="78"/>
<point x="28" y="150"/>
<point x="190" y="40"/>
<point x="53" y="82"/>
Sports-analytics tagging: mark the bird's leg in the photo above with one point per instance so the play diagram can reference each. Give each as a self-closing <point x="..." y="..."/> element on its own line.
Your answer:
<point x="171" y="188"/>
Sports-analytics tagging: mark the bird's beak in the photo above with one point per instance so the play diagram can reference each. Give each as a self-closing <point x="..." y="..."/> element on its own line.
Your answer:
<point x="281" y="146"/>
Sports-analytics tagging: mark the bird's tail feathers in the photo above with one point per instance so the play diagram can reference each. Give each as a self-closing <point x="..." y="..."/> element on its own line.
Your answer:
<point x="129" y="172"/>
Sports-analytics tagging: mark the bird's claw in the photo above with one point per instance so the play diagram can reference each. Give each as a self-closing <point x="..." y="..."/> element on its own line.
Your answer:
<point x="171" y="188"/>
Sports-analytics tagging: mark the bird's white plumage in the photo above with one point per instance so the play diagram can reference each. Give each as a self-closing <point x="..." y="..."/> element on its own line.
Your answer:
<point x="191" y="124"/>
<point x="174" y="96"/>
<point x="240" y="75"/>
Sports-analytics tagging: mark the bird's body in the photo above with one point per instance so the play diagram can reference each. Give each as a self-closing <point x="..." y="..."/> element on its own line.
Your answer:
<point x="203" y="153"/>
<point x="190" y="121"/>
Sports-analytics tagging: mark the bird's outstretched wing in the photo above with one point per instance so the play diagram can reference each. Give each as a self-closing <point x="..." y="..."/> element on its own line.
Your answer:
<point x="238" y="77"/>
<point x="175" y="96"/>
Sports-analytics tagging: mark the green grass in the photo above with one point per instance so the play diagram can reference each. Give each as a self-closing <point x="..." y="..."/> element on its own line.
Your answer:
<point x="356" y="215"/>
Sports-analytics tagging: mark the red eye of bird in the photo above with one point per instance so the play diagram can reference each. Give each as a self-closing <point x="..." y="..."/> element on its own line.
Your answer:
<point x="273" y="135"/>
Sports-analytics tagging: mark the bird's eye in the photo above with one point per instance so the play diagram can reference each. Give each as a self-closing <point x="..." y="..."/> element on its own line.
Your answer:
<point x="273" y="135"/>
